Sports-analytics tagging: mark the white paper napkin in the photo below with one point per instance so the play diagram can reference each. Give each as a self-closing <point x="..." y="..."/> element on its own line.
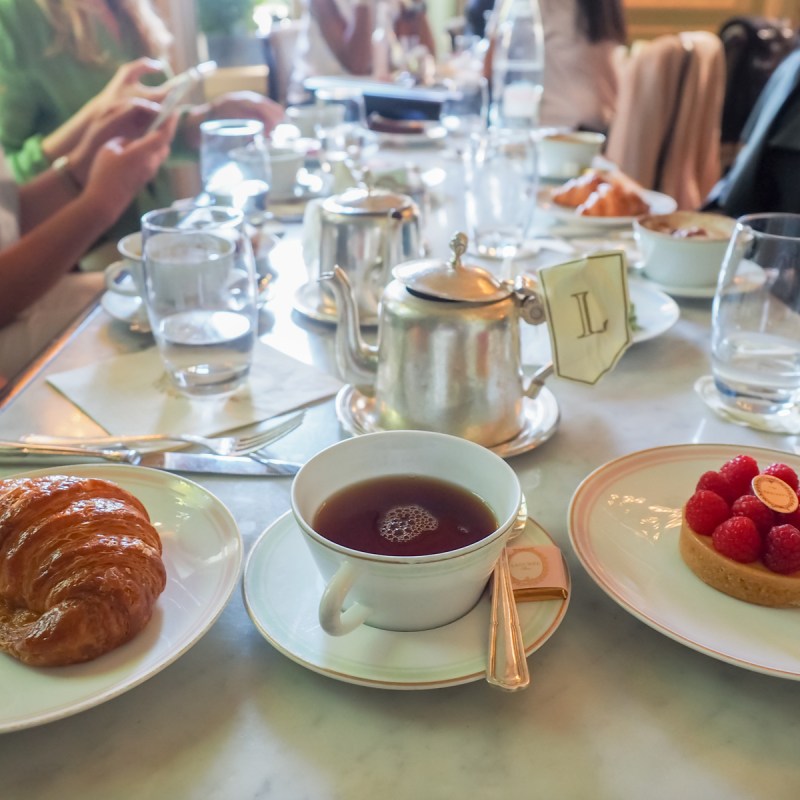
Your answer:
<point x="132" y="394"/>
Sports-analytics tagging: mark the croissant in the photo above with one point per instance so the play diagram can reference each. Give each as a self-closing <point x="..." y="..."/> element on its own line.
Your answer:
<point x="80" y="568"/>
<point x="577" y="190"/>
<point x="612" y="200"/>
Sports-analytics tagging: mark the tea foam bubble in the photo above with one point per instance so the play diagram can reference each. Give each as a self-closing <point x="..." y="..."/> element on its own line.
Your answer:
<point x="404" y="523"/>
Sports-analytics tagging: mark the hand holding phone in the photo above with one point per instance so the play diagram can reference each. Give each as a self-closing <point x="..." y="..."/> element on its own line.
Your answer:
<point x="179" y="88"/>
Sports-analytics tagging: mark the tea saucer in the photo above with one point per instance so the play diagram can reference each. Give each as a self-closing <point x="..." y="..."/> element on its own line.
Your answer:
<point x="282" y="588"/>
<point x="311" y="302"/>
<point x="126" y="310"/>
<point x="356" y="413"/>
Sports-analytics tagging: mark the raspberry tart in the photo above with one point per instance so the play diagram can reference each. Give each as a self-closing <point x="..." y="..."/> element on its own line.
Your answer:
<point x="740" y="532"/>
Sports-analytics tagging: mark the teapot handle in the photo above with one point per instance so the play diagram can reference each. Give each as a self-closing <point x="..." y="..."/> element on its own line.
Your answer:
<point x="536" y="383"/>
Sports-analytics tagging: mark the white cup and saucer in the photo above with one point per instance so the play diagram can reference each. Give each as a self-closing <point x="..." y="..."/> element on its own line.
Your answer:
<point x="123" y="296"/>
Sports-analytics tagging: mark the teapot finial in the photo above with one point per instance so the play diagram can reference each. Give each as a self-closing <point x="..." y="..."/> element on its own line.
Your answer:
<point x="458" y="244"/>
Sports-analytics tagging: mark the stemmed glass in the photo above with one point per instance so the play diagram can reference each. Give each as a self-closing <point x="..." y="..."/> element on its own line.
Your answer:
<point x="465" y="108"/>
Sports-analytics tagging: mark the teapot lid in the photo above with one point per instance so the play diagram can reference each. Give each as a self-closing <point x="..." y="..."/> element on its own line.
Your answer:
<point x="360" y="201"/>
<point x="451" y="280"/>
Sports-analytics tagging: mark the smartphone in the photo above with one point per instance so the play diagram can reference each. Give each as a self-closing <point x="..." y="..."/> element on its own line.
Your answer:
<point x="179" y="88"/>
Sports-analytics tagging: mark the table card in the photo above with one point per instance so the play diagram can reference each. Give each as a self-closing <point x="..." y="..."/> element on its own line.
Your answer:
<point x="587" y="308"/>
<point x="131" y="394"/>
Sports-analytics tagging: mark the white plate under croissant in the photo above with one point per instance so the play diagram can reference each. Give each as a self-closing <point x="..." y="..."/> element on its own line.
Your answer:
<point x="202" y="553"/>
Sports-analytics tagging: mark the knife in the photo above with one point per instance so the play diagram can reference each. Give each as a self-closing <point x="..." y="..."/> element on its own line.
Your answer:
<point x="170" y="461"/>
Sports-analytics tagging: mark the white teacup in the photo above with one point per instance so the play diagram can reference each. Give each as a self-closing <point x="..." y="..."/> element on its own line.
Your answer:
<point x="566" y="154"/>
<point x="403" y="592"/>
<point x="285" y="163"/>
<point x="125" y="276"/>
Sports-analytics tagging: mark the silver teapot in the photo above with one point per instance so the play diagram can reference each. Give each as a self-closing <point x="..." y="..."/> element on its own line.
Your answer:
<point x="448" y="354"/>
<point x="366" y="232"/>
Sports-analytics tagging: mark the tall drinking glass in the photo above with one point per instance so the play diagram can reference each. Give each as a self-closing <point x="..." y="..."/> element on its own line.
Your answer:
<point x="755" y="340"/>
<point x="502" y="180"/>
<point x="465" y="108"/>
<point x="200" y="294"/>
<point x="235" y="165"/>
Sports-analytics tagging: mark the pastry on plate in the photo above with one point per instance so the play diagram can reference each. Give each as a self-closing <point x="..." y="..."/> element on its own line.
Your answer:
<point x="80" y="568"/>
<point x="578" y="190"/>
<point x="742" y="543"/>
<point x="613" y="200"/>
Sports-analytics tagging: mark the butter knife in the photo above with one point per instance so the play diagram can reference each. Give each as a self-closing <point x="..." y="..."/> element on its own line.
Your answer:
<point x="170" y="461"/>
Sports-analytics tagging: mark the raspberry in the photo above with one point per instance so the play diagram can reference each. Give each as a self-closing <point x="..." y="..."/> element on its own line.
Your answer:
<point x="784" y="472"/>
<point x="705" y="510"/>
<point x="748" y="505"/>
<point x="782" y="553"/>
<point x="714" y="482"/>
<point x="739" y="539"/>
<point x="739" y="472"/>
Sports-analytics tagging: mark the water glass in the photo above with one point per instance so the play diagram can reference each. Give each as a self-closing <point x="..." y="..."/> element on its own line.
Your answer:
<point x="465" y="109"/>
<point x="235" y="164"/>
<point x="200" y="294"/>
<point x="502" y="181"/>
<point x="755" y="340"/>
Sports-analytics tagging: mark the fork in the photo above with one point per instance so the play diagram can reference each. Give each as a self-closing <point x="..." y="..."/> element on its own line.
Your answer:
<point x="241" y="445"/>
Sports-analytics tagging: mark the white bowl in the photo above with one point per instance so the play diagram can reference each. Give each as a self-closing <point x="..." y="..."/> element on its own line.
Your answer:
<point x="566" y="154"/>
<point x="673" y="258"/>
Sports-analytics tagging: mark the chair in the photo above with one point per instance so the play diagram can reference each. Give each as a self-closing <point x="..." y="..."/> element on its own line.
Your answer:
<point x="666" y="131"/>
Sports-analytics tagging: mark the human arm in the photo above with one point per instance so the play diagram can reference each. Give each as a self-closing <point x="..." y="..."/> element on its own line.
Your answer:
<point x="412" y="22"/>
<point x="349" y="40"/>
<point x="32" y="265"/>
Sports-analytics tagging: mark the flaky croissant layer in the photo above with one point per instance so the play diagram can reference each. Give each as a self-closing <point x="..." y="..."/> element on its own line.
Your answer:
<point x="80" y="568"/>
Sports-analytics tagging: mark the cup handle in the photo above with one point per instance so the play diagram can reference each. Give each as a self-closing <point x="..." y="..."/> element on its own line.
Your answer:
<point x="113" y="275"/>
<point x="333" y="620"/>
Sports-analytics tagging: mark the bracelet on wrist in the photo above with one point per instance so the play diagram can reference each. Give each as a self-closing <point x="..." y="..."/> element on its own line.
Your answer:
<point x="61" y="166"/>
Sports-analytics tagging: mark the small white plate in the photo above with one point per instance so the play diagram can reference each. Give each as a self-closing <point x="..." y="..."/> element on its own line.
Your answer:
<point x="659" y="204"/>
<point x="282" y="589"/>
<point x="624" y="525"/>
<point x="202" y="554"/>
<point x="357" y="414"/>
<point x="127" y="310"/>
<point x="655" y="311"/>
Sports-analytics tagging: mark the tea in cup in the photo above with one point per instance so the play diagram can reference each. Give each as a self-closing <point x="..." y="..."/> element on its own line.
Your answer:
<point x="404" y="526"/>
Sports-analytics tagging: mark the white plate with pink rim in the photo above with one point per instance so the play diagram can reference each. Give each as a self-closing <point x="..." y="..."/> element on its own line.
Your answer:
<point x="202" y="553"/>
<point x="282" y="589"/>
<point x="624" y="525"/>
<point x="659" y="204"/>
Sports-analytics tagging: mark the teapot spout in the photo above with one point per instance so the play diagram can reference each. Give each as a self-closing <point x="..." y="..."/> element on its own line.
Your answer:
<point x="356" y="360"/>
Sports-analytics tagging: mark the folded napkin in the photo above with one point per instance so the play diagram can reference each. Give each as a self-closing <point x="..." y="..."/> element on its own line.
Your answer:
<point x="132" y="394"/>
<point x="788" y="423"/>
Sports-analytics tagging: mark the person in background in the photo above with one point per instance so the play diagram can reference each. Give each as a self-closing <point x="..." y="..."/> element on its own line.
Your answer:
<point x="581" y="41"/>
<point x="336" y="38"/>
<point x="48" y="223"/>
<point x="63" y="62"/>
<point x="581" y="38"/>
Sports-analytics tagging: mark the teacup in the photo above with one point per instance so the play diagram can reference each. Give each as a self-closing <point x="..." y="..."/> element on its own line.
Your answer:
<point x="399" y="585"/>
<point x="285" y="163"/>
<point x="566" y="154"/>
<point x="125" y="276"/>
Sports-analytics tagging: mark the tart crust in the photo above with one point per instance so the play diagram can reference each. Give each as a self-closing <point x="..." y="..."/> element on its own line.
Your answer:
<point x="753" y="583"/>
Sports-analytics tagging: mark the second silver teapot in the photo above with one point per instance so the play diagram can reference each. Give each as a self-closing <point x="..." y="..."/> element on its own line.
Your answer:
<point x="448" y="353"/>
